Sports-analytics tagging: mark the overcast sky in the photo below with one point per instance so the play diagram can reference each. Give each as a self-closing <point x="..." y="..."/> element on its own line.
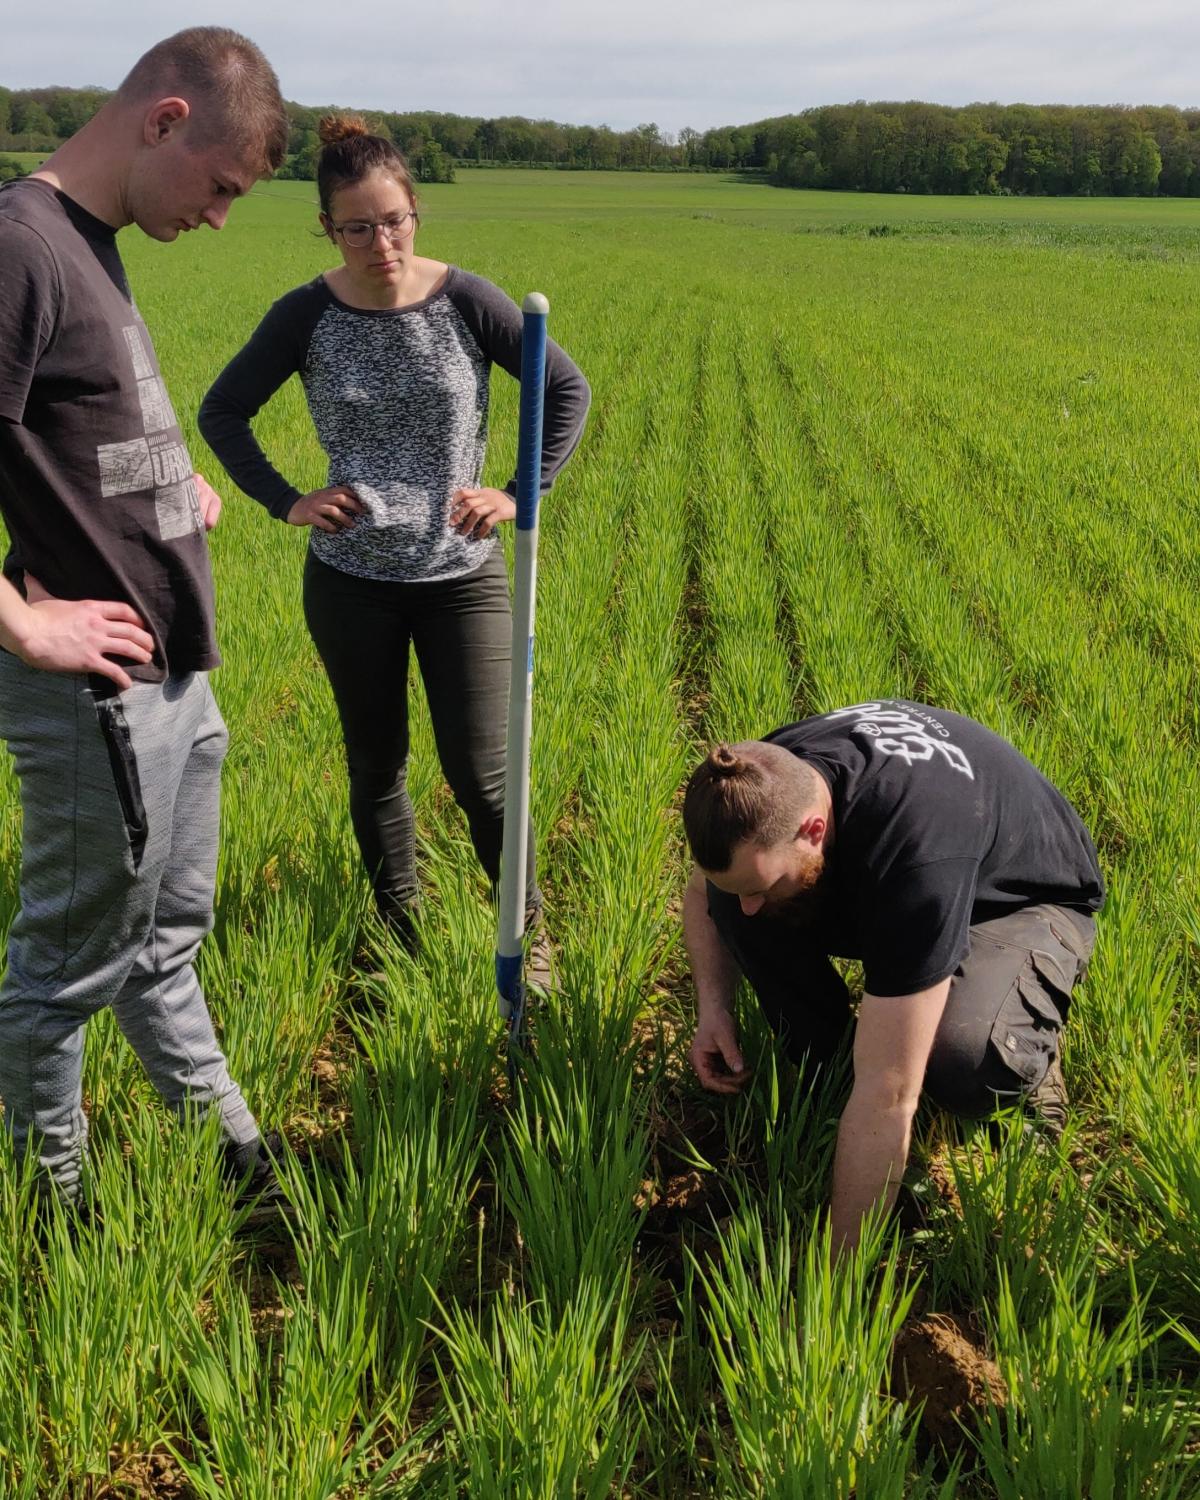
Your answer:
<point x="623" y="62"/>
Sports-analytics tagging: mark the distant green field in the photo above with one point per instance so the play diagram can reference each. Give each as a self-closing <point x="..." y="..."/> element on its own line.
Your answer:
<point x="955" y="459"/>
<point x="523" y="195"/>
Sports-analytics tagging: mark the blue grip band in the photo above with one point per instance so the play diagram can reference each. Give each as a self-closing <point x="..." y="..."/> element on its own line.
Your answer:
<point x="529" y="436"/>
<point x="508" y="977"/>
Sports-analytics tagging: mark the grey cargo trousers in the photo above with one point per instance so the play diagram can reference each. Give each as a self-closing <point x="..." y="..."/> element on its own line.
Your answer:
<point x="999" y="1033"/>
<point x="119" y="802"/>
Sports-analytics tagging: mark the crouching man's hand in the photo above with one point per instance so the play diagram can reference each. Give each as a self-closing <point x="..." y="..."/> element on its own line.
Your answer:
<point x="715" y="1054"/>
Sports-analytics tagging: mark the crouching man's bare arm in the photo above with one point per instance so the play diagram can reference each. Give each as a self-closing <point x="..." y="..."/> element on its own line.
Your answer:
<point x="714" y="1052"/>
<point x="892" y="1043"/>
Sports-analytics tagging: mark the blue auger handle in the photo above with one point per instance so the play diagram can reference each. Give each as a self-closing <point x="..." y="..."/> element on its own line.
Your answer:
<point x="511" y="904"/>
<point x="535" y="310"/>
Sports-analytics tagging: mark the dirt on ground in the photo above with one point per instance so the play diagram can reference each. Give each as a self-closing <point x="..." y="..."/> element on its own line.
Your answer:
<point x="146" y="1476"/>
<point x="941" y="1174"/>
<point x="940" y="1360"/>
<point x="683" y="1203"/>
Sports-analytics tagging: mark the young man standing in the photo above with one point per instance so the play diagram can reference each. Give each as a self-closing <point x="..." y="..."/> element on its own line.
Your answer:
<point x="928" y="847"/>
<point x="106" y="603"/>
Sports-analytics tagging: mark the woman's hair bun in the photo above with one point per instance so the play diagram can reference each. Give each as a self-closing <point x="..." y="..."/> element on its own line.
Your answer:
<point x="334" y="128"/>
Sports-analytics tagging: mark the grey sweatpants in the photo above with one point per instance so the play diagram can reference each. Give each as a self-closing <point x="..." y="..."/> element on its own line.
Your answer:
<point x="119" y="800"/>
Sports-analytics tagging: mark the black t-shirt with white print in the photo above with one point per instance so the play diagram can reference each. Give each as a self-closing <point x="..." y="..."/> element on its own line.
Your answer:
<point x="938" y="823"/>
<point x="96" y="485"/>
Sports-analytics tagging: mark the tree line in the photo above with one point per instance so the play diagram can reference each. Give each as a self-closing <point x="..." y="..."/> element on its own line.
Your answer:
<point x="1086" y="150"/>
<point x="884" y="148"/>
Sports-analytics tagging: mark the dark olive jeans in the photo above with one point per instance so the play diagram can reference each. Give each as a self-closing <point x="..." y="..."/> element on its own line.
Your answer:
<point x="461" y="631"/>
<point x="999" y="1033"/>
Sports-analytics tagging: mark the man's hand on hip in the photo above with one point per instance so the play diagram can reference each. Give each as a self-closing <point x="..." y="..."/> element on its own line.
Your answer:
<point x="79" y="635"/>
<point x="210" y="501"/>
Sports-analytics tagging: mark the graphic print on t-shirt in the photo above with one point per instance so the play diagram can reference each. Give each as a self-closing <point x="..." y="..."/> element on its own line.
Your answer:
<point x="905" y="732"/>
<point x="158" y="460"/>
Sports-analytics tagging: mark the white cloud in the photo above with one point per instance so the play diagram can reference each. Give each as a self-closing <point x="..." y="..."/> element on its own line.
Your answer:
<point x="677" y="63"/>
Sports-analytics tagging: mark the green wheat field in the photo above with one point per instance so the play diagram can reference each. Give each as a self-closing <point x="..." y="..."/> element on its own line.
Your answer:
<point x="840" y="447"/>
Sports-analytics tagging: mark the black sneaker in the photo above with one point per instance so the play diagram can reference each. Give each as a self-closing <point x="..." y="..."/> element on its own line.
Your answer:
<point x="1048" y="1101"/>
<point x="81" y="1215"/>
<point x="251" y="1167"/>
<point x="403" y="922"/>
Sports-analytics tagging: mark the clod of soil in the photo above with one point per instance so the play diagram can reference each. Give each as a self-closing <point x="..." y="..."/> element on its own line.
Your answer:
<point x="684" y="1198"/>
<point x="149" y="1476"/>
<point x="941" y="1174"/>
<point x="687" y="1192"/>
<point x="938" y="1360"/>
<point x="680" y="1216"/>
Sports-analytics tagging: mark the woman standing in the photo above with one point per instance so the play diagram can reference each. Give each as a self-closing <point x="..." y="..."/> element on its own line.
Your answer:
<point x="394" y="351"/>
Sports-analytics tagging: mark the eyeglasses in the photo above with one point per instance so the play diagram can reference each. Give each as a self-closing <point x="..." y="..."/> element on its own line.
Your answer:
<point x="359" y="233"/>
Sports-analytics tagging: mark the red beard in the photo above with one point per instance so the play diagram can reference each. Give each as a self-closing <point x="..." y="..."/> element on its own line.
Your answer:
<point x="804" y="907"/>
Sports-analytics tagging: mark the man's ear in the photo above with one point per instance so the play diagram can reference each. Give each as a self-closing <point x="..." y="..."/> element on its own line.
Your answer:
<point x="812" y="829"/>
<point x="163" y="118"/>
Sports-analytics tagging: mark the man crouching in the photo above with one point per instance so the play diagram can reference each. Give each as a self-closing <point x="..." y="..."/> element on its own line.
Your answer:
<point x="926" y="846"/>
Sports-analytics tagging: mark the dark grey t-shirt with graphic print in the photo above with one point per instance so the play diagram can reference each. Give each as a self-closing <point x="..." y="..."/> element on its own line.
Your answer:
<point x="938" y="823"/>
<point x="399" y="398"/>
<point x="96" y="485"/>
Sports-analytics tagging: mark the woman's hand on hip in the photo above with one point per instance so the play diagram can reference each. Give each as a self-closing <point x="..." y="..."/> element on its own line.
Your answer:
<point x="334" y="509"/>
<point x="474" y="513"/>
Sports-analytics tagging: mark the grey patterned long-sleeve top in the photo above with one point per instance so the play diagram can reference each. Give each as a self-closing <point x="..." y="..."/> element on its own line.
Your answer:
<point x="399" y="398"/>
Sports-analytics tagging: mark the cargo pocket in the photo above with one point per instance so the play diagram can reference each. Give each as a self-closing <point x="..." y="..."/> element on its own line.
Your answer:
<point x="1058" y="969"/>
<point x="119" y="743"/>
<point x="1024" y="1036"/>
